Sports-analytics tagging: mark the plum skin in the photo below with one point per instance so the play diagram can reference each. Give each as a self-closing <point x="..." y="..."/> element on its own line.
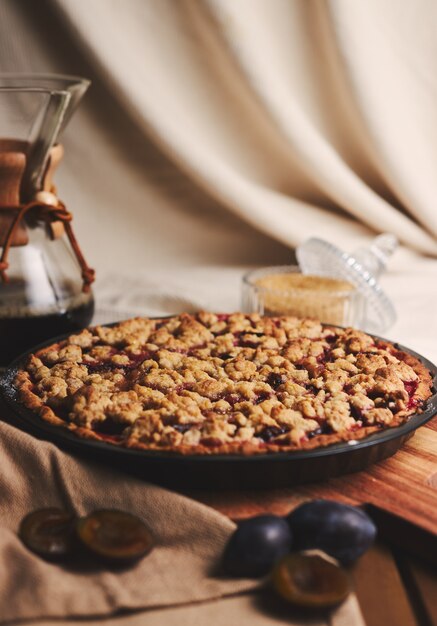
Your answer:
<point x="342" y="531"/>
<point x="256" y="546"/>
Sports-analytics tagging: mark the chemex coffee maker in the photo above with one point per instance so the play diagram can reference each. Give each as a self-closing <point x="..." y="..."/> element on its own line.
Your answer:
<point x="45" y="282"/>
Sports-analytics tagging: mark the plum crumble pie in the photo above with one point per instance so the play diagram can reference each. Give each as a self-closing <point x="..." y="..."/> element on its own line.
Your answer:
<point x="214" y="384"/>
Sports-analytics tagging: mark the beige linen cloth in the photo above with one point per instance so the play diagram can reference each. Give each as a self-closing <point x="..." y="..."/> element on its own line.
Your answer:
<point x="181" y="569"/>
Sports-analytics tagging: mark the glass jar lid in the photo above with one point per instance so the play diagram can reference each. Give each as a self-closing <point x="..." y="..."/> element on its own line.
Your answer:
<point x="320" y="257"/>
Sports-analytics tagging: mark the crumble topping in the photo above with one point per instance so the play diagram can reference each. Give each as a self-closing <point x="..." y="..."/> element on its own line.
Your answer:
<point x="210" y="383"/>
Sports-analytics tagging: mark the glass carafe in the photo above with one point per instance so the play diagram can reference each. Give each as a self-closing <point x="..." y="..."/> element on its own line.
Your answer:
<point x="44" y="279"/>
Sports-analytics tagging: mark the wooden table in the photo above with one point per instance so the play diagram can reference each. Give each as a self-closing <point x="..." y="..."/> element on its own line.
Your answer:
<point x="396" y="580"/>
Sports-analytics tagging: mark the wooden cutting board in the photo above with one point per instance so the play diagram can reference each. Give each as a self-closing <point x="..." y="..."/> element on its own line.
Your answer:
<point x="405" y="484"/>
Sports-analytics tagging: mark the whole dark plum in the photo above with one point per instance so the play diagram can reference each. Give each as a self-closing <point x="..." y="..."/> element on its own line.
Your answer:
<point x="345" y="532"/>
<point x="256" y="545"/>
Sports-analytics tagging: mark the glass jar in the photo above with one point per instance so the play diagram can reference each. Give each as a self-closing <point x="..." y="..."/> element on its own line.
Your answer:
<point x="284" y="290"/>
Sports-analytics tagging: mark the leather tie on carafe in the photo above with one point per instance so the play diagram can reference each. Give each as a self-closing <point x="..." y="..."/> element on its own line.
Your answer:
<point x="12" y="166"/>
<point x="44" y="206"/>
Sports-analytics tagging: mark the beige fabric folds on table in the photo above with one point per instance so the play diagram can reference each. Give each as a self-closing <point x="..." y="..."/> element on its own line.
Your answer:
<point x="190" y="538"/>
<point x="180" y="570"/>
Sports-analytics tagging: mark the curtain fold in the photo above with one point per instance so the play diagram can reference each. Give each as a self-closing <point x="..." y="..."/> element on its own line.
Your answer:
<point x="304" y="118"/>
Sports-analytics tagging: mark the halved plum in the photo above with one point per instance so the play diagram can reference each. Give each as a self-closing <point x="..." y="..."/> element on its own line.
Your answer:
<point x="310" y="581"/>
<point x="48" y="532"/>
<point x="115" y="536"/>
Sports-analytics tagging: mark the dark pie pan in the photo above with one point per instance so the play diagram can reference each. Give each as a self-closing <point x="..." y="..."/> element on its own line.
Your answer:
<point x="281" y="469"/>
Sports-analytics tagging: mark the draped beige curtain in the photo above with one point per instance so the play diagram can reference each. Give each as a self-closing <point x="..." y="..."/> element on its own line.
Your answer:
<point x="279" y="108"/>
<point x="218" y="134"/>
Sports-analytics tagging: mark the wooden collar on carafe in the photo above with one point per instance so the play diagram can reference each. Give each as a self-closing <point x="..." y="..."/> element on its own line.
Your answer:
<point x="45" y="206"/>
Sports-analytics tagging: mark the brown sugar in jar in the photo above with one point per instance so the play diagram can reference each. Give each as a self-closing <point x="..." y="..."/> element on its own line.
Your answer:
<point x="286" y="291"/>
